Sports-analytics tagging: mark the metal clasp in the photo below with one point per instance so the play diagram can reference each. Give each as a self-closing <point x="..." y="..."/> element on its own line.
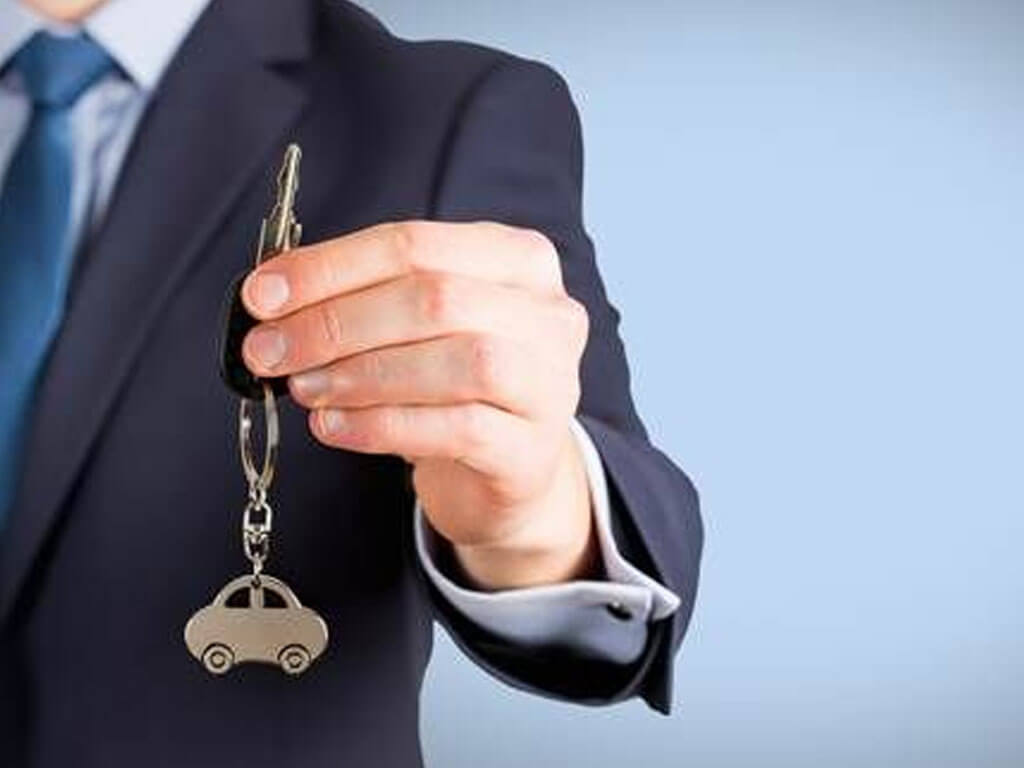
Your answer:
<point x="258" y="518"/>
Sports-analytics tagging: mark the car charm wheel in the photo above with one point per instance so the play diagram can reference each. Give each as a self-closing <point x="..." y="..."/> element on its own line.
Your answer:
<point x="218" y="659"/>
<point x="294" y="659"/>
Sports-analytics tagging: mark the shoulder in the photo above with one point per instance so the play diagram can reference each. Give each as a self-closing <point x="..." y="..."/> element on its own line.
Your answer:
<point x="443" y="72"/>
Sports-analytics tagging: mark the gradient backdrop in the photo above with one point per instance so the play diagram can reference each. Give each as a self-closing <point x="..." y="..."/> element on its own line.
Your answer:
<point x="812" y="217"/>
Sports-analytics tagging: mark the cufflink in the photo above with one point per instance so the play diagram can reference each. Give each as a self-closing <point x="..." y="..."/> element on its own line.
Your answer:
<point x="618" y="611"/>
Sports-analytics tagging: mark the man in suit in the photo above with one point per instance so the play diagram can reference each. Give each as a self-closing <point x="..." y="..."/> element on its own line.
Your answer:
<point x="446" y="315"/>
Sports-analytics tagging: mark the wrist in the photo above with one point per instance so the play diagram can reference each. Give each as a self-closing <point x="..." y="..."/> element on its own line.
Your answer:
<point x="556" y="543"/>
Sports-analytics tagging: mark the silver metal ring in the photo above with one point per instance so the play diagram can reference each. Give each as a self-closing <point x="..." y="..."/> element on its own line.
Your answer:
<point x="261" y="478"/>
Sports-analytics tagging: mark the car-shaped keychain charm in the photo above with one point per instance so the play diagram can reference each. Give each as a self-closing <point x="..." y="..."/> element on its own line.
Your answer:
<point x="256" y="620"/>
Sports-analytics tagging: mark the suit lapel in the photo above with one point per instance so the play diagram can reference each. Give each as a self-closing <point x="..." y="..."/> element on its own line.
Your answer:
<point x="221" y="115"/>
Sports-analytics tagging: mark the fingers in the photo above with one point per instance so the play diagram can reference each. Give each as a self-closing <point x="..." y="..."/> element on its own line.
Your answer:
<point x="447" y="370"/>
<point x="414" y="308"/>
<point x="453" y="343"/>
<point x="484" y="438"/>
<point x="484" y="250"/>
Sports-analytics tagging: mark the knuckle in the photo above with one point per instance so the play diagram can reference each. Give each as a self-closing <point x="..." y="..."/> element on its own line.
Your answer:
<point x="577" y="319"/>
<point x="327" y="271"/>
<point x="543" y="255"/>
<point x="409" y="245"/>
<point x="438" y="297"/>
<point x="374" y="376"/>
<point x="374" y="369"/>
<point x="540" y="245"/>
<point x="329" y="321"/>
<point x="484" y="363"/>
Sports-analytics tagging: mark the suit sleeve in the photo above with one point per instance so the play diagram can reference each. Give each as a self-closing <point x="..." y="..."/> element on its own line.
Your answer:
<point x="515" y="156"/>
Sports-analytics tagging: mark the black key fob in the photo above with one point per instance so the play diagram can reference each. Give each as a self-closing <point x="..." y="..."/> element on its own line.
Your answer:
<point x="235" y="324"/>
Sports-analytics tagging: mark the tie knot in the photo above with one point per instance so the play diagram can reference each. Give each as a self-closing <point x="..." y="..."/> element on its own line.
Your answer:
<point x="55" y="70"/>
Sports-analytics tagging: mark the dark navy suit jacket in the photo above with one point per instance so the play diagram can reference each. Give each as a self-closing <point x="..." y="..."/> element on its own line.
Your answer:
<point x="128" y="512"/>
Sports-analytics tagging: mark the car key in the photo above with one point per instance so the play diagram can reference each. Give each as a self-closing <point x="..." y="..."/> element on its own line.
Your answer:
<point x="279" y="232"/>
<point x="241" y="624"/>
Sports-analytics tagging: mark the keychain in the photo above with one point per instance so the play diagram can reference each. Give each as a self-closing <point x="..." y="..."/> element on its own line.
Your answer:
<point x="256" y="617"/>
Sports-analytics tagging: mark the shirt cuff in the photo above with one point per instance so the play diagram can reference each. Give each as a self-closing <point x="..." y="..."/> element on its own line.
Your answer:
<point x="606" y="620"/>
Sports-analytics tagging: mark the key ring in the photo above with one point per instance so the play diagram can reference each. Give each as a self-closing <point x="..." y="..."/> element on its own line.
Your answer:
<point x="259" y="479"/>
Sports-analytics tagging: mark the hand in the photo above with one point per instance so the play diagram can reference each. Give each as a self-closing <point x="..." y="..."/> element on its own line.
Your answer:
<point x="456" y="347"/>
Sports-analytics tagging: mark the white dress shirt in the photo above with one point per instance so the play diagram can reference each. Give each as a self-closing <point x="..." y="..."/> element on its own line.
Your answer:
<point x="600" y="619"/>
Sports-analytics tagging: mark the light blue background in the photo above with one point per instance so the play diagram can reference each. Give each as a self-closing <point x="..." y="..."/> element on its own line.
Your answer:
<point x="811" y="216"/>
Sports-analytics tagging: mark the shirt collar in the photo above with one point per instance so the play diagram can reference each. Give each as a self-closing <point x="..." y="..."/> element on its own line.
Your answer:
<point x="141" y="35"/>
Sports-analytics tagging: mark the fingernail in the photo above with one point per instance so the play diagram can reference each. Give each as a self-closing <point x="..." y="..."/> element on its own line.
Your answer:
<point x="267" y="346"/>
<point x="311" y="383"/>
<point x="269" y="291"/>
<point x="333" y="421"/>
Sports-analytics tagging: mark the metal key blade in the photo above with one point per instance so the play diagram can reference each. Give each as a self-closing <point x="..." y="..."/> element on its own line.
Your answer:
<point x="281" y="230"/>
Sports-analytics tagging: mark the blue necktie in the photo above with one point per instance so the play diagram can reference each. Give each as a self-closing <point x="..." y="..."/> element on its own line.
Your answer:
<point x="35" y="230"/>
